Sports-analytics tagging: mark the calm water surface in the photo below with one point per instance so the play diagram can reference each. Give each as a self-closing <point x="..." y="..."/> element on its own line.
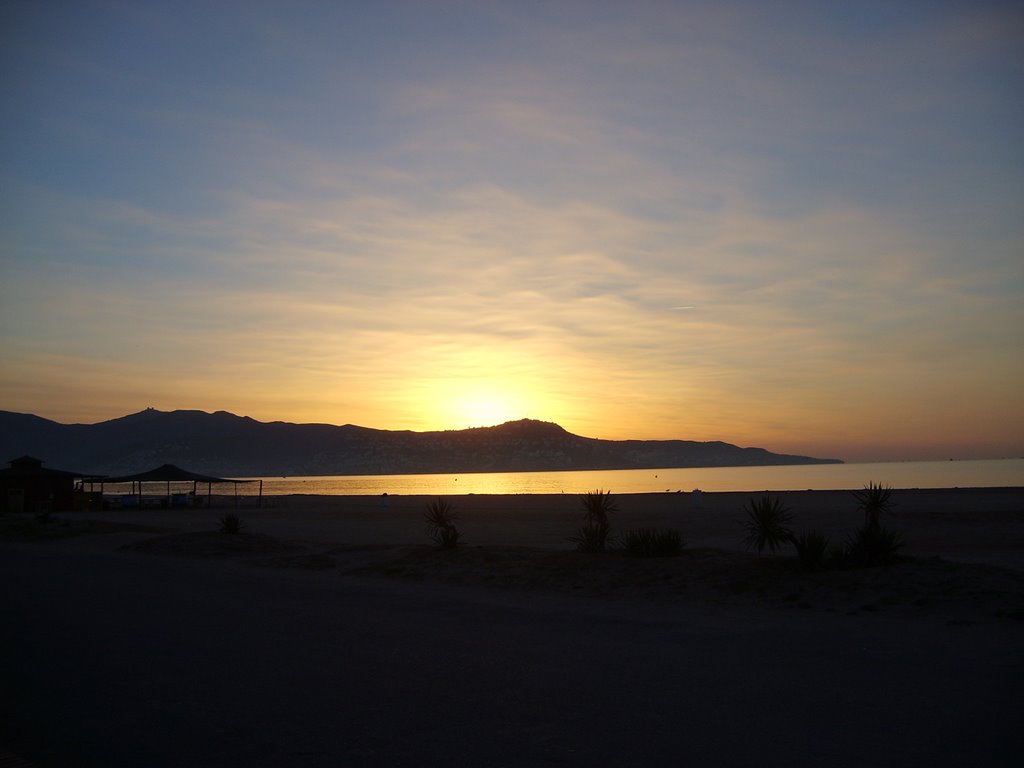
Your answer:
<point x="919" y="474"/>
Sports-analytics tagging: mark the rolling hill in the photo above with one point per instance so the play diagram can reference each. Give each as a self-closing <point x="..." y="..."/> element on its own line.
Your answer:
<point x="224" y="444"/>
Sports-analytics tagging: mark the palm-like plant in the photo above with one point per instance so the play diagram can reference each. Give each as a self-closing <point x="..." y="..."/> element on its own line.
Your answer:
<point x="598" y="506"/>
<point x="873" y="544"/>
<point x="440" y="518"/>
<point x="767" y="524"/>
<point x="873" y="500"/>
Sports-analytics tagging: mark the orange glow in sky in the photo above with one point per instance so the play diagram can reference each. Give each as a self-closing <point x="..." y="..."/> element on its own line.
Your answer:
<point x="660" y="221"/>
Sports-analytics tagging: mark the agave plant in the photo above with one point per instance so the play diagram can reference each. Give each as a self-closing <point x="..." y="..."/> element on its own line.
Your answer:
<point x="598" y="505"/>
<point x="440" y="518"/>
<point x="767" y="524"/>
<point x="873" y="500"/>
<point x="592" y="536"/>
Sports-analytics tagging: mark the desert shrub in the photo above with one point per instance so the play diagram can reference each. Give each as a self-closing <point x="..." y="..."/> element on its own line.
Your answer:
<point x="592" y="536"/>
<point x="447" y="537"/>
<point x="872" y="545"/>
<point x="813" y="550"/>
<point x="652" y="542"/>
<point x="230" y="523"/>
<point x="837" y="555"/>
<point x="440" y="518"/>
<point x="767" y="524"/>
<point x="873" y="500"/>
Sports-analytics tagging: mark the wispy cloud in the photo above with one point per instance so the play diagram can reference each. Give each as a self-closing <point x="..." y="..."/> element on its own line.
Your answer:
<point x="799" y="230"/>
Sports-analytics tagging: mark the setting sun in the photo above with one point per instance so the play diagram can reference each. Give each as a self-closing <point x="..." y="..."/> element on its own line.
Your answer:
<point x="484" y="407"/>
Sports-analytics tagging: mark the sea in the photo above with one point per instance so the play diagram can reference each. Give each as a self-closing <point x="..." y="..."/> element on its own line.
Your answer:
<point x="1001" y="473"/>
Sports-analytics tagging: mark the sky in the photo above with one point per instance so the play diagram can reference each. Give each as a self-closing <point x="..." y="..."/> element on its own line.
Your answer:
<point x="793" y="225"/>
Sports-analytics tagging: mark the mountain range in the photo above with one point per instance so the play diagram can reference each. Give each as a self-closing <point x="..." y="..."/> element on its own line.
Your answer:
<point x="227" y="445"/>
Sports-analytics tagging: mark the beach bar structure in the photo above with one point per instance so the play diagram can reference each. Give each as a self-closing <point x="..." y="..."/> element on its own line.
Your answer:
<point x="169" y="473"/>
<point x="28" y="486"/>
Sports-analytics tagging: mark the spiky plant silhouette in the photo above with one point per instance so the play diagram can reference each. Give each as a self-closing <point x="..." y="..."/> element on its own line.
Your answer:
<point x="873" y="500"/>
<point x="440" y="518"/>
<point x="652" y="542"/>
<point x="874" y="544"/>
<point x="767" y="524"/>
<point x="598" y="507"/>
<point x="812" y="548"/>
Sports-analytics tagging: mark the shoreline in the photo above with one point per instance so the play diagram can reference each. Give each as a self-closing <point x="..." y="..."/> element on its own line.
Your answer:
<point x="929" y="475"/>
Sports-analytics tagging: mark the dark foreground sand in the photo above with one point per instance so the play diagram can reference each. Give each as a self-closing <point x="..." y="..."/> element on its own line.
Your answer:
<point x="332" y="633"/>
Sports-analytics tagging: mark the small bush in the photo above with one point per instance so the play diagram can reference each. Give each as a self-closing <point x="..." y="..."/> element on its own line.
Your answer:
<point x="440" y="518"/>
<point x="230" y="523"/>
<point x="652" y="542"/>
<point x="813" y="550"/>
<point x="837" y="555"/>
<point x="591" y="537"/>
<point x="767" y="524"/>
<point x="871" y="546"/>
<point x="447" y="537"/>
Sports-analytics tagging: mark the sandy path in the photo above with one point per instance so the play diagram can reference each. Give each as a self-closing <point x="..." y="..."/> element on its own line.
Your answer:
<point x="117" y="656"/>
<point x="122" y="659"/>
<point x="297" y="645"/>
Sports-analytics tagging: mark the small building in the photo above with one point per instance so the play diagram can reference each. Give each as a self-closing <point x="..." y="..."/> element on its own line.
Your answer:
<point x="26" y="486"/>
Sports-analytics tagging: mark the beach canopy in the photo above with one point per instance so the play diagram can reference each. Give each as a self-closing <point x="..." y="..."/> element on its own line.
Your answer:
<point x="170" y="474"/>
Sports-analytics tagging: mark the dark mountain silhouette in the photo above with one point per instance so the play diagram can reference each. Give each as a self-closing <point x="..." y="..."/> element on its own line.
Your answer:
<point x="224" y="444"/>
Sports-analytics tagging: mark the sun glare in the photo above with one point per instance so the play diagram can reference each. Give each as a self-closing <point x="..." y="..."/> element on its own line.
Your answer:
<point x="486" y="409"/>
<point x="465" y="404"/>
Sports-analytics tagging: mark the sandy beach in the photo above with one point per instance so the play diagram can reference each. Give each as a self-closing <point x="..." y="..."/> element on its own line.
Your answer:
<point x="332" y="632"/>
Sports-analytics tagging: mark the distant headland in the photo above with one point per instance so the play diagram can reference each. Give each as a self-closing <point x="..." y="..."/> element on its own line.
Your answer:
<point x="229" y="445"/>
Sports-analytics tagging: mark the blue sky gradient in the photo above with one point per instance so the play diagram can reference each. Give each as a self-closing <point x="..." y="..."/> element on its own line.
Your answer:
<point x="798" y="226"/>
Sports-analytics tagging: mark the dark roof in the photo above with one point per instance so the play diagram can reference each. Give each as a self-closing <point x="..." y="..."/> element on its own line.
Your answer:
<point x="30" y="465"/>
<point x="169" y="473"/>
<point x="26" y="460"/>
